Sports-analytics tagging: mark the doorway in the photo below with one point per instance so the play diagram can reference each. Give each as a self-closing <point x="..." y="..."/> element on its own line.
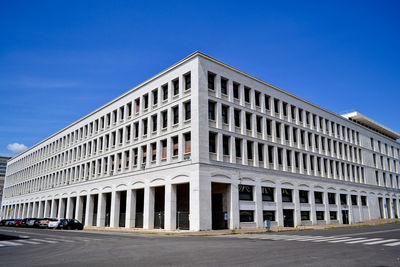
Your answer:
<point x="345" y="216"/>
<point x="288" y="220"/>
<point x="139" y="208"/>
<point x="219" y="205"/>
<point x="159" y="206"/>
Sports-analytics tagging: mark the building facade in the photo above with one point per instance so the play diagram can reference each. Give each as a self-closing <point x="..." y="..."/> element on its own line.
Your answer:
<point x="203" y="145"/>
<point x="3" y="167"/>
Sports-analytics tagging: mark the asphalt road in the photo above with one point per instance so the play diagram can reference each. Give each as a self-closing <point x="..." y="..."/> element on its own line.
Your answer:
<point x="366" y="246"/>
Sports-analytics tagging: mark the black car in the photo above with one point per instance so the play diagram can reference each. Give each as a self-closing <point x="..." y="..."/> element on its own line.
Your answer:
<point x="70" y="224"/>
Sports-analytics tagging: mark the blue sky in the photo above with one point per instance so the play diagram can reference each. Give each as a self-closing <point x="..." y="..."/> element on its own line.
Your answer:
<point x="59" y="60"/>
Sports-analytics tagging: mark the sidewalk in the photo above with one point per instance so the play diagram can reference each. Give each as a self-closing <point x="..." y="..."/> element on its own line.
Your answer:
<point x="237" y="231"/>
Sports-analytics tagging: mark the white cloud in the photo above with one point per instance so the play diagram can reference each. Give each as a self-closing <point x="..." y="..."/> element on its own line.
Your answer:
<point x="16" y="148"/>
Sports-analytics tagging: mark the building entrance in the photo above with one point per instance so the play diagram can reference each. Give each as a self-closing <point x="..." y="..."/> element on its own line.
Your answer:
<point x="288" y="218"/>
<point x="139" y="208"/>
<point x="345" y="216"/>
<point x="159" y="206"/>
<point x="219" y="205"/>
<point x="182" y="207"/>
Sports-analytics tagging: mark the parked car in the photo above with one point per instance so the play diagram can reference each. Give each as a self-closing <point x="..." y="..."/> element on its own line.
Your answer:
<point x="4" y="222"/>
<point x="31" y="222"/>
<point x="10" y="222"/>
<point x="54" y="223"/>
<point x="17" y="222"/>
<point x="70" y="224"/>
<point x="25" y="221"/>
<point x="44" y="222"/>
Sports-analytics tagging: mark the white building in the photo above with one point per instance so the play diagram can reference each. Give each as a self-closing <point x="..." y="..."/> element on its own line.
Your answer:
<point x="203" y="145"/>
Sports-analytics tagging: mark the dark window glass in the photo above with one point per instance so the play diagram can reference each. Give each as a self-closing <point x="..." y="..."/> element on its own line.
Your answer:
<point x="269" y="215"/>
<point x="224" y="86"/>
<point x="318" y="197"/>
<point x="333" y="215"/>
<point x="353" y="200"/>
<point x="320" y="215"/>
<point x="267" y="193"/>
<point x="211" y="81"/>
<point x="305" y="215"/>
<point x="286" y="195"/>
<point x="245" y="192"/>
<point x="363" y="200"/>
<point x="303" y="195"/>
<point x="246" y="216"/>
<point x="332" y="198"/>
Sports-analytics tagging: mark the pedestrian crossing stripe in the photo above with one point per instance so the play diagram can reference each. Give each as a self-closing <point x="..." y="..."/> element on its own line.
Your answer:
<point x="328" y="239"/>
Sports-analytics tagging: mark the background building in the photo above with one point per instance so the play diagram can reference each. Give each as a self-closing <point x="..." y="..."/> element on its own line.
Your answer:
<point x="203" y="145"/>
<point x="3" y="167"/>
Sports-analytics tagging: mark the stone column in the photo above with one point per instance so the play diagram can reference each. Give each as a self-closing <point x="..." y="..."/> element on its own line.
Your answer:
<point x="89" y="211"/>
<point x="101" y="210"/>
<point x="148" y="212"/>
<point x="170" y="207"/>
<point x="259" y="205"/>
<point x="115" y="209"/>
<point x="130" y="208"/>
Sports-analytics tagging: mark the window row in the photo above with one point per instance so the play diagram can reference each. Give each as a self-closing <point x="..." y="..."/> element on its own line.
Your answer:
<point x="138" y="158"/>
<point x="247" y="192"/>
<point x="260" y="127"/>
<point x="244" y="95"/>
<point x="138" y="106"/>
<point x="138" y="130"/>
<point x="241" y="151"/>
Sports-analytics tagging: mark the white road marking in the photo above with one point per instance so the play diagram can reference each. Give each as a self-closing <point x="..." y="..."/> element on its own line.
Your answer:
<point x="60" y="240"/>
<point x="340" y="240"/>
<point x="44" y="240"/>
<point x="374" y="232"/>
<point x="381" y="242"/>
<point x="392" y="244"/>
<point x="27" y="241"/>
<point x="331" y="238"/>
<point x="10" y="243"/>
<point x="364" y="240"/>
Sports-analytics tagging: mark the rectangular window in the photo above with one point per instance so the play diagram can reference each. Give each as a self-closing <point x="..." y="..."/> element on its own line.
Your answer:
<point x="165" y="91"/>
<point x="267" y="194"/>
<point x="333" y="215"/>
<point x="146" y="101"/>
<point x="211" y="111"/>
<point x="211" y="81"/>
<point x="249" y="150"/>
<point x="175" y="113"/>
<point x="163" y="149"/>
<point x="155" y="96"/>
<point x="237" y="117"/>
<point x="224" y="112"/>
<point x="153" y="152"/>
<point x="164" y="116"/>
<point x="343" y="199"/>
<point x="260" y="152"/>
<point x="248" y="121"/>
<point x="188" y="146"/>
<point x="245" y="192"/>
<point x="238" y="147"/>
<point x="154" y="122"/>
<point x="144" y="126"/>
<point x="144" y="154"/>
<point x="305" y="215"/>
<point x="318" y="196"/>
<point x="332" y="198"/>
<point x="235" y="90"/>
<point x="225" y="145"/>
<point x="257" y="98"/>
<point x="175" y="84"/>
<point x="247" y="94"/>
<point x="320" y="215"/>
<point x="246" y="216"/>
<point x="258" y="122"/>
<point x="188" y="81"/>
<point x="175" y="146"/>
<point x="363" y="200"/>
<point x="269" y="215"/>
<point x="286" y="195"/>
<point x="188" y="110"/>
<point x="224" y="86"/>
<point x="354" y="200"/>
<point x="211" y="139"/>
<point x="303" y="195"/>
